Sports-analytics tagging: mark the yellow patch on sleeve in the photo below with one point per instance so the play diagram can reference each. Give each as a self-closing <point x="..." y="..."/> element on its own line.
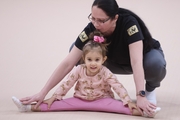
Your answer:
<point x="132" y="30"/>
<point x="83" y="37"/>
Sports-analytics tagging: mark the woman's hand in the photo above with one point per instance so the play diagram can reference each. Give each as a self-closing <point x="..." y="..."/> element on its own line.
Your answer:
<point x="49" y="101"/>
<point x="35" y="98"/>
<point x="145" y="105"/>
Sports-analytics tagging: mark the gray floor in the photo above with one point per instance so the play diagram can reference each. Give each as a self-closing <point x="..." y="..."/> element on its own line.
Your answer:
<point x="35" y="36"/>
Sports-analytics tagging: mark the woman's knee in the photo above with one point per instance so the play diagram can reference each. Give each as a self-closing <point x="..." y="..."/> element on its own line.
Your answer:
<point x="154" y="74"/>
<point x="154" y="66"/>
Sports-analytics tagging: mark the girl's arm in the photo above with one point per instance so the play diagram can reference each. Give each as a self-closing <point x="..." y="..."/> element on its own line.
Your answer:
<point x="118" y="88"/>
<point x="67" y="84"/>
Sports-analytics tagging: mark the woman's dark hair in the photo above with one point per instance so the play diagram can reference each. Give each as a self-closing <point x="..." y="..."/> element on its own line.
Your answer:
<point x="111" y="8"/>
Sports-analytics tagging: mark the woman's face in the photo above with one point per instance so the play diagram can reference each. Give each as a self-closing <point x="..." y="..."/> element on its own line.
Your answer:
<point x="101" y="21"/>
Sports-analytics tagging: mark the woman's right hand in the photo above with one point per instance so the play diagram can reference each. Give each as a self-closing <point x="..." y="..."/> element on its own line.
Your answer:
<point x="39" y="97"/>
<point x="144" y="105"/>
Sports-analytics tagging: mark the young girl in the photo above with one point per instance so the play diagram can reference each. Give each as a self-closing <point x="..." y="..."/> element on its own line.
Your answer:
<point x="93" y="86"/>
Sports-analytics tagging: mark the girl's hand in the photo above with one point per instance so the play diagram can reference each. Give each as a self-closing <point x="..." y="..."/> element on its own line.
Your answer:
<point x="144" y="105"/>
<point x="50" y="101"/>
<point x="35" y="98"/>
<point x="132" y="106"/>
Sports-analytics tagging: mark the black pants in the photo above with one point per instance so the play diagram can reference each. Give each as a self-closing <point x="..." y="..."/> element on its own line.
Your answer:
<point x="154" y="66"/>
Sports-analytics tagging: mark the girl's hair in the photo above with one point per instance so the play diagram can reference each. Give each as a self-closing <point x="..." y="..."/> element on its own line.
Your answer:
<point x="111" y="8"/>
<point x="93" y="45"/>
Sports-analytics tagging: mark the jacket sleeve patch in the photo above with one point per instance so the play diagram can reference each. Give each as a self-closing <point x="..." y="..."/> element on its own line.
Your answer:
<point x="132" y="30"/>
<point x="83" y="37"/>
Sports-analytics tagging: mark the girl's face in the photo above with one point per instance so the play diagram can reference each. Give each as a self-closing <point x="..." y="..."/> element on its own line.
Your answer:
<point x="101" y="21"/>
<point x="93" y="61"/>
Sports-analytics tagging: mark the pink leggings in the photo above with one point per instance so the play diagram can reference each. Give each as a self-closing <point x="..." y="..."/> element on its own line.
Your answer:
<point x="101" y="105"/>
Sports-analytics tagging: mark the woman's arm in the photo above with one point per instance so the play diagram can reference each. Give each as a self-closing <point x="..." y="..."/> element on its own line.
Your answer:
<point x="61" y="71"/>
<point x="136" y="57"/>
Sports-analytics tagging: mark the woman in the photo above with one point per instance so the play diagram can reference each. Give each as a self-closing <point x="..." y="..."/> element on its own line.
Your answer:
<point x="131" y="50"/>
